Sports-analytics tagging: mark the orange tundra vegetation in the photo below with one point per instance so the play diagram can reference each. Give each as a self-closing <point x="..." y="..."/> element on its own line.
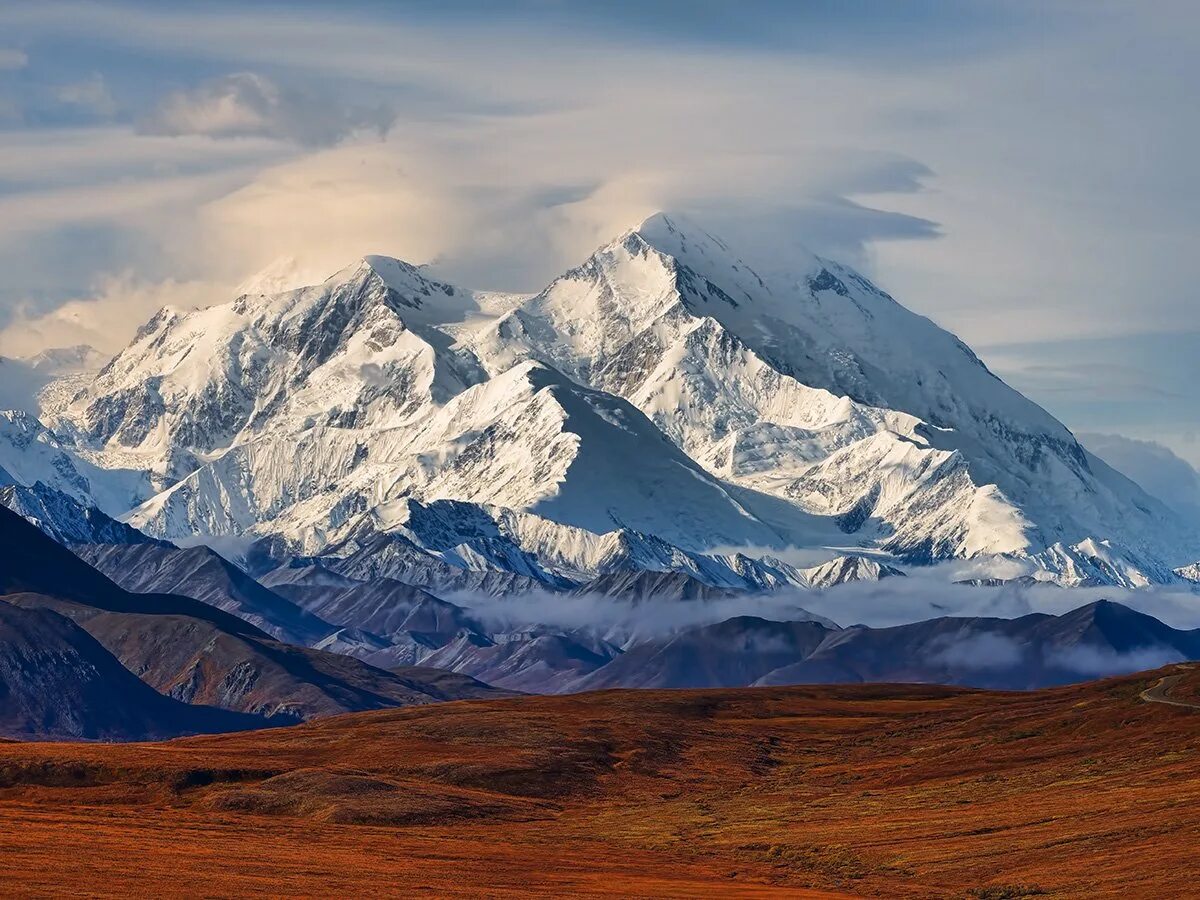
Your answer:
<point x="894" y="791"/>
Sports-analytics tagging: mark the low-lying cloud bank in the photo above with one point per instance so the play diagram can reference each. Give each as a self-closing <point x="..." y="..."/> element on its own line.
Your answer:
<point x="898" y="601"/>
<point x="893" y="601"/>
<point x="621" y="619"/>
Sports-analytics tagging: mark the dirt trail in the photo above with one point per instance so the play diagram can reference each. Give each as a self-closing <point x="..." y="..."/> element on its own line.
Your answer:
<point x="1159" y="692"/>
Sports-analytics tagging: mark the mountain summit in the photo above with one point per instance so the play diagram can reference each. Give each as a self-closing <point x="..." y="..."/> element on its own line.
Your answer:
<point x="663" y="386"/>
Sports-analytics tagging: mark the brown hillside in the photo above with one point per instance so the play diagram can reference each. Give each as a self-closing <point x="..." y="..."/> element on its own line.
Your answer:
<point x="895" y="791"/>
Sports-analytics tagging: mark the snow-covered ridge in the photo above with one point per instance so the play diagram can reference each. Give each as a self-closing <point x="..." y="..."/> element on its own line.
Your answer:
<point x="663" y="388"/>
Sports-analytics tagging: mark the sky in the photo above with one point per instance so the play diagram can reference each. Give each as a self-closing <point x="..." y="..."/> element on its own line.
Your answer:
<point x="1024" y="173"/>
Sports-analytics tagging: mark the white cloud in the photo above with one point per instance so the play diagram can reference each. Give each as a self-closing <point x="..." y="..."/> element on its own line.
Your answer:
<point x="979" y="652"/>
<point x="1155" y="467"/>
<point x="133" y="201"/>
<point x="1100" y="661"/>
<point x="245" y="104"/>
<point x="990" y="144"/>
<point x="104" y="318"/>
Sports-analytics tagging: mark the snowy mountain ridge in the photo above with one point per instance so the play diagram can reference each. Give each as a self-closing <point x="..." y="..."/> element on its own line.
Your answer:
<point x="663" y="389"/>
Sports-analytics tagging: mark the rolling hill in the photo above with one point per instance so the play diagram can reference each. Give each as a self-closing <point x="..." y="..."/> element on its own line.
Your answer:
<point x="896" y="791"/>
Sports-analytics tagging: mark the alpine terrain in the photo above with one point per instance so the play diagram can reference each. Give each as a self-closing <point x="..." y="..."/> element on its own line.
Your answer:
<point x="663" y="406"/>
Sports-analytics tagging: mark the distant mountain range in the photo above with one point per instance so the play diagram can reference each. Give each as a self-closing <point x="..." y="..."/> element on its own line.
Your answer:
<point x="380" y="642"/>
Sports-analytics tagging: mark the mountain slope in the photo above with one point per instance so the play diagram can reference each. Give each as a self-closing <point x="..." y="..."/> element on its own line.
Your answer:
<point x="32" y="563"/>
<point x="65" y="519"/>
<point x="31" y="454"/>
<point x="204" y="575"/>
<point x="664" y="386"/>
<point x="57" y="682"/>
<point x="528" y="439"/>
<point x="192" y="651"/>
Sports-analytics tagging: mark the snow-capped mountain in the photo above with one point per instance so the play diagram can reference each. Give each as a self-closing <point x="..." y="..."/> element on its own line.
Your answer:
<point x="822" y="390"/>
<point x="74" y="360"/>
<point x="30" y="453"/>
<point x="663" y="406"/>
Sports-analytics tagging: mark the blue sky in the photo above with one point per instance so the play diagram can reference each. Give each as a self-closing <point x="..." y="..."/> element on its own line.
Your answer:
<point x="1022" y="172"/>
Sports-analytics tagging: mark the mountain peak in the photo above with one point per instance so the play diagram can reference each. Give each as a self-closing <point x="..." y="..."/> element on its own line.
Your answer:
<point x="67" y="360"/>
<point x="662" y="386"/>
<point x="406" y="288"/>
<point x="681" y="236"/>
<point x="677" y="235"/>
<point x="387" y="268"/>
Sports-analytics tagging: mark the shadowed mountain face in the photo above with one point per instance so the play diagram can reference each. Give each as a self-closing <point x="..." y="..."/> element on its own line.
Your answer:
<point x="386" y="622"/>
<point x="197" y="653"/>
<point x="1099" y="639"/>
<point x="736" y="652"/>
<point x="65" y="519"/>
<point x="381" y="606"/>
<point x="202" y="574"/>
<point x="535" y="661"/>
<point x="636" y="586"/>
<point x="394" y="556"/>
<point x="58" y="682"/>
<point x="33" y="563"/>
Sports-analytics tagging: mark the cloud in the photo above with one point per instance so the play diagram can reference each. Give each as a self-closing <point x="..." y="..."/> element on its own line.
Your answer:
<point x="91" y="94"/>
<point x="245" y="104"/>
<point x="517" y="216"/>
<point x="1095" y="381"/>
<point x="1099" y="661"/>
<point x="102" y="319"/>
<point x="1153" y="466"/>
<point x="91" y="156"/>
<point x="12" y="59"/>
<point x="984" y="652"/>
<point x="980" y="652"/>
<point x="622" y="620"/>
